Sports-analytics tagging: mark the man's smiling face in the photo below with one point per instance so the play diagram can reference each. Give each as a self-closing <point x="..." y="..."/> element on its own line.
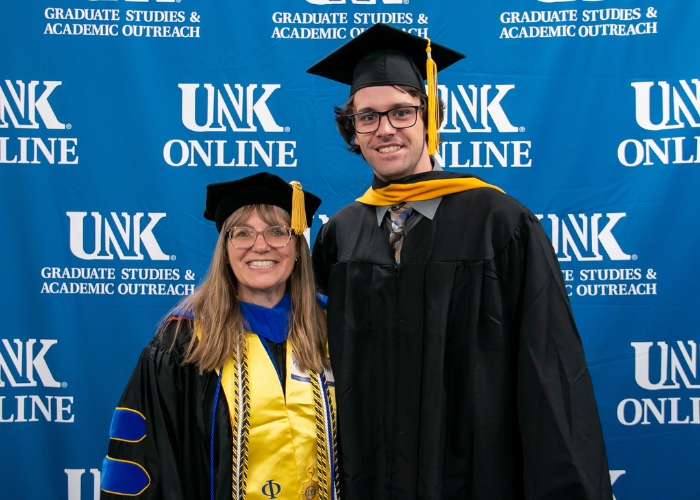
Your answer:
<point x="392" y="153"/>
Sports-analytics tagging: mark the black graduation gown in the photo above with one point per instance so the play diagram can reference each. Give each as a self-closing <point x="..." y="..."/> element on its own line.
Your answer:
<point x="177" y="402"/>
<point x="459" y="373"/>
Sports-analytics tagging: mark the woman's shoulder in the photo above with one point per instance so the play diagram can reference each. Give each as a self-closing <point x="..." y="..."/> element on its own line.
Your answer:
<point x="173" y="338"/>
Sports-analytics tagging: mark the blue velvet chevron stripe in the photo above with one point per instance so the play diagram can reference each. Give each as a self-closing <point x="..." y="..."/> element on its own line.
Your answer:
<point x="127" y="425"/>
<point x="123" y="478"/>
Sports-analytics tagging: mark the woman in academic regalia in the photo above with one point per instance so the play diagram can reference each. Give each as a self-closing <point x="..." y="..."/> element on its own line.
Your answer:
<point x="233" y="397"/>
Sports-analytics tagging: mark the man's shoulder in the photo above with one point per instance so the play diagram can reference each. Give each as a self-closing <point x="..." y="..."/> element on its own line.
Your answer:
<point x="488" y="201"/>
<point x="489" y="212"/>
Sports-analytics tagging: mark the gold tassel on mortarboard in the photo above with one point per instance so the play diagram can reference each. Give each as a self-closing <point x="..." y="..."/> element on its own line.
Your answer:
<point x="433" y="113"/>
<point x="298" y="209"/>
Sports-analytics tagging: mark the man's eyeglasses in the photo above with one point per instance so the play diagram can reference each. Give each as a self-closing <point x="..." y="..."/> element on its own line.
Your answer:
<point x="245" y="237"/>
<point x="367" y="122"/>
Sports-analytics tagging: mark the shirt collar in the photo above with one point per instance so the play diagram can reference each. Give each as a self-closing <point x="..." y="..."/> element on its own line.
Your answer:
<point x="426" y="208"/>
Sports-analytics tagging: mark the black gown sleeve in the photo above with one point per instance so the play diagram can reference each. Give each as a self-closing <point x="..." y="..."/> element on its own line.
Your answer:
<point x="323" y="256"/>
<point x="158" y="444"/>
<point x="564" y="454"/>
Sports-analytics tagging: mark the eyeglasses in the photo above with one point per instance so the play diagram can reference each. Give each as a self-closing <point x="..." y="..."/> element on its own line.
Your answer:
<point x="368" y="121"/>
<point x="245" y="237"/>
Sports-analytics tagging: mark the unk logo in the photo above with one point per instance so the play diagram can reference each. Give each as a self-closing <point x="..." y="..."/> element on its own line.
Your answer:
<point x="662" y="106"/>
<point x="24" y="364"/>
<point x="75" y="484"/>
<point x="475" y="109"/>
<point x="25" y="105"/>
<point x="129" y="236"/>
<point x="357" y="2"/>
<point x="666" y="367"/>
<point x="585" y="237"/>
<point x="234" y="108"/>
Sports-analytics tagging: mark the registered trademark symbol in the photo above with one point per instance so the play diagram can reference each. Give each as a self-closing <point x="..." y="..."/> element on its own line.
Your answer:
<point x="521" y="129"/>
<point x="405" y="2"/>
<point x="287" y="129"/>
<point x="69" y="126"/>
<point x="64" y="384"/>
<point x="173" y="257"/>
<point x="634" y="256"/>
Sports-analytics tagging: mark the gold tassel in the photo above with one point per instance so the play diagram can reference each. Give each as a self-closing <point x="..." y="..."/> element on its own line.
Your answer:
<point x="433" y="114"/>
<point x="298" y="209"/>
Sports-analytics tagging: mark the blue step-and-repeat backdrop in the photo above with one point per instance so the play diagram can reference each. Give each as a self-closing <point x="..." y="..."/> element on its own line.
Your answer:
<point x="115" y="114"/>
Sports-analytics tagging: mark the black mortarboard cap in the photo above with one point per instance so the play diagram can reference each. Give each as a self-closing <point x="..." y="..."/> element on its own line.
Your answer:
<point x="383" y="55"/>
<point x="387" y="56"/>
<point x="224" y="198"/>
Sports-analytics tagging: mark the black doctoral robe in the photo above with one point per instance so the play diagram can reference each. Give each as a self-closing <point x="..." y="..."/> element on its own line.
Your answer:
<point x="460" y="373"/>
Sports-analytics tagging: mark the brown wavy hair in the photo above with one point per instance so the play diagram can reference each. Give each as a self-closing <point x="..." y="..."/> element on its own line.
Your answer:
<point x="217" y="314"/>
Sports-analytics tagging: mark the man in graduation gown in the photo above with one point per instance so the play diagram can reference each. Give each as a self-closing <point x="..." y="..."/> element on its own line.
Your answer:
<point x="459" y="369"/>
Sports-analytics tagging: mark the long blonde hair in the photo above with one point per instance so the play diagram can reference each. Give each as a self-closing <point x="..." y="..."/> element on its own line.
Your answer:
<point x="217" y="314"/>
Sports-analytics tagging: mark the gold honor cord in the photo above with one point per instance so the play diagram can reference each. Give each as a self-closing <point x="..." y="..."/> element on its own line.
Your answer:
<point x="333" y="439"/>
<point x="241" y="426"/>
<point x="423" y="190"/>
<point x="326" y="432"/>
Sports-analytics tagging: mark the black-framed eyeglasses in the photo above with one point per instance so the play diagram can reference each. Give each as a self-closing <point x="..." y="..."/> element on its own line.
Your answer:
<point x="367" y="122"/>
<point x="245" y="237"/>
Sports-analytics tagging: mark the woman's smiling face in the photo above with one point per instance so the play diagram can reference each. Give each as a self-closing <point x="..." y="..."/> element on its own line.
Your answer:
<point x="262" y="271"/>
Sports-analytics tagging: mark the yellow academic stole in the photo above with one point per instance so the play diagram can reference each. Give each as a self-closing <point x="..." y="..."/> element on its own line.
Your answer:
<point x="393" y="194"/>
<point x="283" y="447"/>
